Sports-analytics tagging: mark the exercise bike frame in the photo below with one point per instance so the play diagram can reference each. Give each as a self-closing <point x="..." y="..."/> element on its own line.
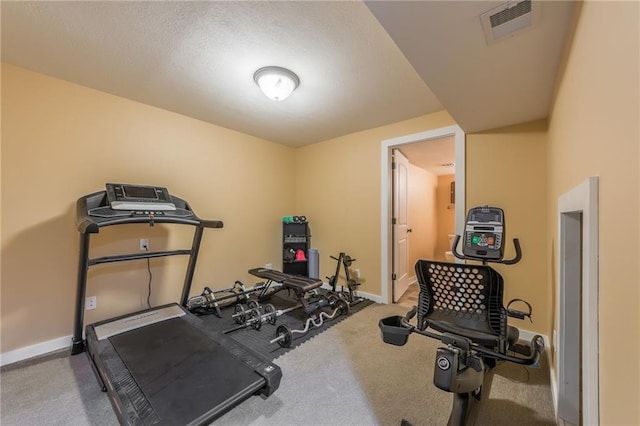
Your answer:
<point x="467" y="376"/>
<point x="463" y="343"/>
<point x="460" y="367"/>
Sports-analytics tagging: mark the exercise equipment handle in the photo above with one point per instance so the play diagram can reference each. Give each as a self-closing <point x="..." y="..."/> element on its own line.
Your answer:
<point x="454" y="248"/>
<point x="518" y="256"/>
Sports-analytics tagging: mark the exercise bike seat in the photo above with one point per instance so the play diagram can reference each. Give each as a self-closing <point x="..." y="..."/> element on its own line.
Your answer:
<point x="465" y="300"/>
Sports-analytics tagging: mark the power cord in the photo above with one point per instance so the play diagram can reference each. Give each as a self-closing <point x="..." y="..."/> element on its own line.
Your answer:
<point x="150" y="278"/>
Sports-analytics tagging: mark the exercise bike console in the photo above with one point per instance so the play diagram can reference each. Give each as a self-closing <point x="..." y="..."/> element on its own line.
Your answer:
<point x="484" y="237"/>
<point x="483" y="233"/>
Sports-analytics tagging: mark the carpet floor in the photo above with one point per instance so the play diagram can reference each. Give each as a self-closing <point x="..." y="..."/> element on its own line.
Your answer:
<point x="345" y="375"/>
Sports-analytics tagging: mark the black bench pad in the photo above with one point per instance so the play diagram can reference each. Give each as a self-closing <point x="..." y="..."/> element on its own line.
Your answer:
<point x="294" y="282"/>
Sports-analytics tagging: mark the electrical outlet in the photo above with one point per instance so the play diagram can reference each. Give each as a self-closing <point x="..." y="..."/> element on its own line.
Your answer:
<point x="357" y="273"/>
<point x="144" y="244"/>
<point x="90" y="303"/>
<point x="268" y="266"/>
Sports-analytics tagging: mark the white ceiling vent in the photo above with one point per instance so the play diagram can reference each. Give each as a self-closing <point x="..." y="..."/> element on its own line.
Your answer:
<point x="509" y="19"/>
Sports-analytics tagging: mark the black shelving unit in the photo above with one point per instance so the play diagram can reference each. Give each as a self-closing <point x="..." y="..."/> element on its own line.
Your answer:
<point x="295" y="236"/>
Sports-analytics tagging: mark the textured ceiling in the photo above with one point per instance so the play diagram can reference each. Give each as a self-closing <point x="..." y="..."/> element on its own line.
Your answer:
<point x="198" y="59"/>
<point x="482" y="86"/>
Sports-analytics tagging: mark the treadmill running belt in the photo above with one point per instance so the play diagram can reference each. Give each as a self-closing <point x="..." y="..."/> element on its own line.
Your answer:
<point x="183" y="373"/>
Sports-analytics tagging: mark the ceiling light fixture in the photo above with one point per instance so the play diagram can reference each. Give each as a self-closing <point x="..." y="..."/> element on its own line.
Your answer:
<point x="276" y="83"/>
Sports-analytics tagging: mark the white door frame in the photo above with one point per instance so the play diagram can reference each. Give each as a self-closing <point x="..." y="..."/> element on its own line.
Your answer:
<point x="386" y="200"/>
<point x="583" y="200"/>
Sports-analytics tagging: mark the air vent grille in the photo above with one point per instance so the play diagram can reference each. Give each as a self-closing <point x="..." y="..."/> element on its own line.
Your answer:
<point x="511" y="13"/>
<point x="510" y="19"/>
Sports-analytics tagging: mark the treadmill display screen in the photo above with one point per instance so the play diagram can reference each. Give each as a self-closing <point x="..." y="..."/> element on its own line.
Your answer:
<point x="140" y="198"/>
<point x="145" y="192"/>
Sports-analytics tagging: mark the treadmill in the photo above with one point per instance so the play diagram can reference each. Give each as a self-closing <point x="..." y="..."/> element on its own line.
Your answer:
<point x="162" y="366"/>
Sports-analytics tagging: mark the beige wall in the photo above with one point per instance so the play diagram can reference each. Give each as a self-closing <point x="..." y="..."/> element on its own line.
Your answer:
<point x="339" y="189"/>
<point x="422" y="215"/>
<point x="61" y="141"/>
<point x="594" y="131"/>
<point x="446" y="215"/>
<point x="507" y="168"/>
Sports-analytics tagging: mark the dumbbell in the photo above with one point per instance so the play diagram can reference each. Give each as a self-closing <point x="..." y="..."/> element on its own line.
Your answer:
<point x="284" y="336"/>
<point x="239" y="312"/>
<point x="252" y="317"/>
<point x="256" y="320"/>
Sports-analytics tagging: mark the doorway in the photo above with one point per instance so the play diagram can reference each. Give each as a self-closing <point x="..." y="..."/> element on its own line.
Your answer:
<point x="387" y="240"/>
<point x="577" y="352"/>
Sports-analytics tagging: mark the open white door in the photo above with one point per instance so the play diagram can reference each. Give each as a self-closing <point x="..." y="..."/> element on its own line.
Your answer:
<point x="388" y="244"/>
<point x="400" y="273"/>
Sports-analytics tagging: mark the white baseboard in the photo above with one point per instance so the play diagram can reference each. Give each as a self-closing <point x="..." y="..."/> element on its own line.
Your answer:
<point x="38" y="349"/>
<point x="65" y="341"/>
<point x="373" y="297"/>
<point x="554" y="388"/>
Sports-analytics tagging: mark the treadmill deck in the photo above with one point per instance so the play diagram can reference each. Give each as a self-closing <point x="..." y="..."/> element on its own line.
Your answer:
<point x="174" y="370"/>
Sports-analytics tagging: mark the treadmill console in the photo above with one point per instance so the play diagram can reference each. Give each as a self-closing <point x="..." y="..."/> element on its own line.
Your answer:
<point x="139" y="198"/>
<point x="484" y="233"/>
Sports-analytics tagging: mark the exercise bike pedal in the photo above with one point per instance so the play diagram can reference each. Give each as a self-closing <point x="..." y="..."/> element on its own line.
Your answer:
<point x="521" y="349"/>
<point x="526" y="351"/>
<point x="474" y="362"/>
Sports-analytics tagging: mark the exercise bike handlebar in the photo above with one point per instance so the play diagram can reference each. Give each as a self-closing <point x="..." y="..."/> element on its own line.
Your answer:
<point x="536" y="344"/>
<point x="516" y="258"/>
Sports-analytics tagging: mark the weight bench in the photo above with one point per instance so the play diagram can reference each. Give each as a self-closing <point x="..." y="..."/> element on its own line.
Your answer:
<point x="300" y="285"/>
<point x="303" y="288"/>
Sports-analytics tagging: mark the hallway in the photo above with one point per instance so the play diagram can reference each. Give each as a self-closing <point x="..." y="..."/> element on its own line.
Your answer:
<point x="410" y="297"/>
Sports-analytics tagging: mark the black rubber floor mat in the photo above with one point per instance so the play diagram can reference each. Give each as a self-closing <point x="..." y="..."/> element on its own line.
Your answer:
<point x="259" y="340"/>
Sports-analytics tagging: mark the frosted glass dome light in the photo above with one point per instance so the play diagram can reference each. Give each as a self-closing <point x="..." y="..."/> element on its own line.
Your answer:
<point x="276" y="83"/>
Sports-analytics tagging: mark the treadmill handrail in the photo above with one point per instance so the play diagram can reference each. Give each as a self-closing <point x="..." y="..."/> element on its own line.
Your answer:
<point x="136" y="256"/>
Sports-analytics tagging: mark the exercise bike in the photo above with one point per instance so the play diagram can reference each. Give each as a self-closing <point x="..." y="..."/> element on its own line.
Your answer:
<point x="461" y="305"/>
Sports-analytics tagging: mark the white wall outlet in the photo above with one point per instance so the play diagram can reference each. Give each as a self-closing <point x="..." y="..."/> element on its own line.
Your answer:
<point x="91" y="303"/>
<point x="144" y="244"/>
<point x="357" y="273"/>
<point x="268" y="266"/>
